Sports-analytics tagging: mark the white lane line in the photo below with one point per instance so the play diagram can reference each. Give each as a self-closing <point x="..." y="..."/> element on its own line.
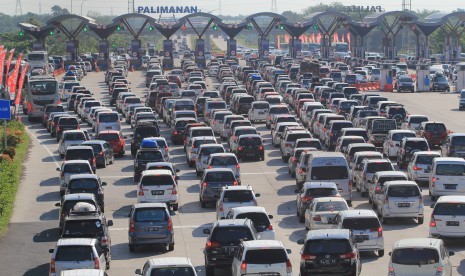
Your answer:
<point x="175" y="227"/>
<point x="45" y="147"/>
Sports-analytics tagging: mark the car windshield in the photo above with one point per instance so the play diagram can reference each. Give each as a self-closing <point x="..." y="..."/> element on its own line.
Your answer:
<point x="260" y="220"/>
<point x="75" y="253"/>
<point x="279" y="110"/>
<point x="238" y="196"/>
<point x="78" y="154"/>
<point x="146" y="132"/>
<point x="77" y="168"/>
<point x="83" y="184"/>
<point x="151" y="155"/>
<point x="435" y="127"/>
<point x="74" y="136"/>
<point x="157" y="180"/>
<point x="266" y="256"/>
<point x="250" y="141"/>
<point x="150" y="214"/>
<point x="219" y="177"/>
<point x="331" y="206"/>
<point x="108" y="136"/>
<point x="206" y="151"/>
<point x="216" y="105"/>
<point x="378" y="167"/>
<point x="223" y="161"/>
<point x="415" y="256"/>
<point x="329" y="173"/>
<point x="172" y="271"/>
<point x="330" y="246"/>
<point x="450" y="169"/>
<point x="82" y="228"/>
<point x="320" y="192"/>
<point x="418" y="145"/>
<point x="231" y="235"/>
<point x="360" y="223"/>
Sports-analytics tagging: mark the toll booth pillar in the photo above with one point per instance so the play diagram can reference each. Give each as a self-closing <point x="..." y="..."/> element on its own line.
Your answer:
<point x="72" y="49"/>
<point x="103" y="55"/>
<point x="136" y="57"/>
<point x="167" y="61"/>
<point x="460" y="83"/>
<point x="232" y="48"/>
<point x="200" y="53"/>
<point x="296" y="48"/>
<point x="386" y="76"/>
<point x="264" y="47"/>
<point x="423" y="80"/>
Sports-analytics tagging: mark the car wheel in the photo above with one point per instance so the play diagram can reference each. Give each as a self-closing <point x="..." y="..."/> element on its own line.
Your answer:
<point x="384" y="220"/>
<point x="301" y="218"/>
<point x="420" y="220"/>
<point x="170" y="246"/>
<point x="203" y="204"/>
<point x="132" y="248"/>
<point x="209" y="271"/>
<point x="107" y="267"/>
<point x="175" y="207"/>
<point x="381" y="253"/>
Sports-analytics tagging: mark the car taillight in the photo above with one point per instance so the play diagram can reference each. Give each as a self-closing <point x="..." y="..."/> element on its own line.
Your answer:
<point x="210" y="167"/>
<point x="350" y="255"/>
<point x="391" y="271"/>
<point x="235" y="138"/>
<point x="175" y="132"/>
<point x="288" y="266"/>
<point x="307" y="198"/>
<point x="170" y="224"/>
<point x="174" y="190"/>
<point x="317" y="218"/>
<point x="307" y="257"/>
<point x="167" y="149"/>
<point x="211" y="244"/>
<point x="100" y="153"/>
<point x="293" y="160"/>
<point x="433" y="181"/>
<point x="433" y="221"/>
<point x="288" y="145"/>
<point x="52" y="266"/>
<point x="270" y="227"/>
<point x="243" y="268"/>
<point x="220" y="206"/>
<point x="386" y="200"/>
<point x="58" y="129"/>
<point x="96" y="263"/>
<point x="380" y="232"/>
<point x="415" y="168"/>
<point x="104" y="241"/>
<point x="141" y="191"/>
<point x="132" y="227"/>
<point x="214" y="122"/>
<point x="439" y="270"/>
<point x="238" y="166"/>
<point x="300" y="170"/>
<point x="235" y="183"/>
<point x="260" y="148"/>
<point x="240" y="148"/>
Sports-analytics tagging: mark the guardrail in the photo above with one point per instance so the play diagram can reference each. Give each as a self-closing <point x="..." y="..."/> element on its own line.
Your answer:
<point x="369" y="86"/>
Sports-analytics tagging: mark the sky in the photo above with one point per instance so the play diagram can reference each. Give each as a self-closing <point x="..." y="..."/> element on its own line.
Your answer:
<point x="228" y="7"/>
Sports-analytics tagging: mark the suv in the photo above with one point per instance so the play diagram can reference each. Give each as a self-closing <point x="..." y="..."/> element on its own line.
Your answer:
<point x="68" y="202"/>
<point x="259" y="217"/>
<point x="310" y="191"/>
<point x="434" y="132"/>
<point x="330" y="251"/>
<point x="143" y="157"/>
<point x="288" y="142"/>
<point x="365" y="224"/>
<point x="447" y="217"/>
<point x="158" y="186"/>
<point x="150" y="223"/>
<point x="141" y="132"/>
<point x="69" y="168"/>
<point x="235" y="196"/>
<point x="407" y="147"/>
<point x="223" y="242"/>
<point x="334" y="131"/>
<point x="392" y="142"/>
<point x="250" y="145"/>
<point x="454" y="145"/>
<point x="66" y="123"/>
<point x="75" y="253"/>
<point x="87" y="183"/>
<point x="89" y="223"/>
<point x="366" y="171"/>
<point x="419" y="167"/>
<point x="212" y="182"/>
<point x="170" y="265"/>
<point x="263" y="258"/>
<point x="377" y="183"/>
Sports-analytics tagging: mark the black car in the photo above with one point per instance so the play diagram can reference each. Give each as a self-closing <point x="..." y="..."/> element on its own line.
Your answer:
<point x="405" y="83"/>
<point x="66" y="123"/>
<point x="89" y="224"/>
<point x="144" y="156"/>
<point x="141" y="132"/>
<point x="49" y="109"/>
<point x="250" y="146"/>
<point x="440" y="83"/>
<point x="225" y="237"/>
<point x="212" y="182"/>
<point x="178" y="128"/>
<point x="407" y="147"/>
<point x="87" y="183"/>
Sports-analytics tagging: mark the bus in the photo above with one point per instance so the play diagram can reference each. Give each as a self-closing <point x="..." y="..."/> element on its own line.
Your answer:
<point x="40" y="91"/>
<point x="39" y="60"/>
<point x="339" y="50"/>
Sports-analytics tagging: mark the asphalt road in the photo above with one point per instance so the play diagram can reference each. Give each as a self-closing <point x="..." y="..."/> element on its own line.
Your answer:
<point x="34" y="225"/>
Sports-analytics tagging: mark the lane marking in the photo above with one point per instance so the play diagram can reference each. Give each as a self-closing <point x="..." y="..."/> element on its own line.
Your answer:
<point x="44" y="146"/>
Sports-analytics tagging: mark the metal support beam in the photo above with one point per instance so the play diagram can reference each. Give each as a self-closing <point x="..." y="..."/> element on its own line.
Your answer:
<point x="130" y="29"/>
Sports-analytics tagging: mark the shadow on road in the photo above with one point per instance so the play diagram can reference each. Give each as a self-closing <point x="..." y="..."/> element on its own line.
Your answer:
<point x="48" y="235"/>
<point x="42" y="269"/>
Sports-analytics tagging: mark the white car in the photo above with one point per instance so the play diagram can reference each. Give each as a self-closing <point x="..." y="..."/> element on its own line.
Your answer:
<point x="225" y="160"/>
<point x="322" y="211"/>
<point x="419" y="257"/>
<point x="234" y="196"/>
<point x="419" y="167"/>
<point x="158" y="186"/>
<point x="258" y="110"/>
<point x="168" y="266"/>
<point x="262" y="257"/>
<point x="392" y="143"/>
<point x="218" y="119"/>
<point x="259" y="217"/>
<point x="448" y="217"/>
<point x="205" y="151"/>
<point x="193" y="148"/>
<point x="412" y="122"/>
<point x="70" y="138"/>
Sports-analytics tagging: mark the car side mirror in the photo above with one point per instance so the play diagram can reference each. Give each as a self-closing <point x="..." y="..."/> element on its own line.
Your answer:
<point x="451" y="253"/>
<point x="51" y="251"/>
<point x="104" y="183"/>
<point x="301" y="241"/>
<point x="257" y="195"/>
<point x="138" y="271"/>
<point x="270" y="216"/>
<point x="110" y="223"/>
<point x="58" y="169"/>
<point x="206" y="231"/>
<point x="58" y="204"/>
<point x="288" y="251"/>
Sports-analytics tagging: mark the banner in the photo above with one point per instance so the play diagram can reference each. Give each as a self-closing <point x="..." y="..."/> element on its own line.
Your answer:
<point x="2" y="61"/>
<point x="13" y="79"/>
<point x="20" y="84"/>
<point x="8" y="62"/>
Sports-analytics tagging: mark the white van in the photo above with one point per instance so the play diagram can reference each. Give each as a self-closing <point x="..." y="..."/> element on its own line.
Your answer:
<point x="333" y="167"/>
<point x="447" y="177"/>
<point x="447" y="218"/>
<point x="158" y="186"/>
<point x="108" y="121"/>
<point x="258" y="111"/>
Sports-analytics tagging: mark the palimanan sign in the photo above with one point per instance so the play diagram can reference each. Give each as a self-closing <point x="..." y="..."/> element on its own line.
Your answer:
<point x="167" y="9"/>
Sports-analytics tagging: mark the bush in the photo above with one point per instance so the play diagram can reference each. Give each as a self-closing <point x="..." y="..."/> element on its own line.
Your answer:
<point x="10" y="151"/>
<point x="5" y="158"/>
<point x="13" y="137"/>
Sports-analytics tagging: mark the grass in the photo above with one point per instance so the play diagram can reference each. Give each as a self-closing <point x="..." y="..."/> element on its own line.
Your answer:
<point x="10" y="175"/>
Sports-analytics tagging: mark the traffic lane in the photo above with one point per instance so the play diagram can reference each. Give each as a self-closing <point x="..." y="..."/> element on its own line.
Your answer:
<point x="438" y="106"/>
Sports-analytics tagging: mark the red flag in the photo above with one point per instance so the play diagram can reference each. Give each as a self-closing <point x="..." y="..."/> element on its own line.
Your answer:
<point x="8" y="62"/>
<point x="2" y="66"/>
<point x="20" y="84"/>
<point x="13" y="79"/>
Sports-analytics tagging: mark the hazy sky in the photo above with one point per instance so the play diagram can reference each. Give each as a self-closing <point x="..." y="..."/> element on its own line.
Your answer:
<point x="228" y="7"/>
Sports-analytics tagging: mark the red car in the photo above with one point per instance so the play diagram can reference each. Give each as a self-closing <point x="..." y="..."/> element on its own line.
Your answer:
<point x="115" y="139"/>
<point x="434" y="132"/>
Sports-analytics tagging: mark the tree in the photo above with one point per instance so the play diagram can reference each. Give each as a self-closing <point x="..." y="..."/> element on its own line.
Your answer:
<point x="56" y="10"/>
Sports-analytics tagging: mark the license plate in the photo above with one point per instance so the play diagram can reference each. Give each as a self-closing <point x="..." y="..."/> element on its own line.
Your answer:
<point x="250" y="154"/>
<point x="365" y="237"/>
<point x="328" y="261"/>
<point x="261" y="113"/>
<point x="152" y="229"/>
<point x="230" y="249"/>
<point x="108" y="127"/>
<point x="450" y="186"/>
<point x="452" y="223"/>
<point x="404" y="205"/>
<point x="158" y="192"/>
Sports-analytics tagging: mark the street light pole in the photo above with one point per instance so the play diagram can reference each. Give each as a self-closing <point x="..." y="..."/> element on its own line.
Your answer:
<point x="71" y="6"/>
<point x="81" y="5"/>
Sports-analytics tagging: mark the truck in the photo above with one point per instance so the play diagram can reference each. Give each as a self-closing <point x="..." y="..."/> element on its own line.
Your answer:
<point x="378" y="130"/>
<point x="310" y="66"/>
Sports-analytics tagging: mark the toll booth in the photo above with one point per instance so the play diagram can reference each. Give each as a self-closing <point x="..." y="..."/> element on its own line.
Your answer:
<point x="460" y="83"/>
<point x="386" y="76"/>
<point x="423" y="80"/>
<point x="136" y="57"/>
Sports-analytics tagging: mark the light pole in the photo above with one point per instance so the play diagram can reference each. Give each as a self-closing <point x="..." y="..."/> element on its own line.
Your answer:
<point x="81" y="5"/>
<point x="71" y="6"/>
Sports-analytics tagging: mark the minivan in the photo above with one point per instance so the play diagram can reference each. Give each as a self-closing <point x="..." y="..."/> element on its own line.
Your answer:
<point x="108" y="121"/>
<point x="448" y="216"/>
<point x="158" y="186"/>
<point x="447" y="177"/>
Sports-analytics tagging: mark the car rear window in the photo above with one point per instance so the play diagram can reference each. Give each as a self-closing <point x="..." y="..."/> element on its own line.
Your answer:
<point x="146" y="132"/>
<point x="309" y="144"/>
<point x="157" y="180"/>
<point x="449" y="209"/>
<point x="58" y="108"/>
<point x="329" y="246"/>
<point x="279" y="110"/>
<point x="77" y="168"/>
<point x="223" y="161"/>
<point x="339" y="126"/>
<point x="329" y="173"/>
<point x="108" y="118"/>
<point x="400" y="136"/>
<point x="150" y="215"/>
<point x="382" y="180"/>
<point x="175" y="271"/>
<point x="418" y="120"/>
<point x="360" y="223"/>
<point x="198" y="143"/>
<point x="379" y="167"/>
<point x="435" y="127"/>
<point x="425" y="159"/>
<point x="260" y="220"/>
<point x="246" y="100"/>
<point x="74" y="136"/>
<point x="216" y="105"/>
<point x="210" y="150"/>
<point x="83" y="183"/>
<point x="321" y="192"/>
<point x="458" y="142"/>
<point x="250" y="141"/>
<point x="261" y="106"/>
<point x="347" y="142"/>
<point x="450" y="169"/>
<point x="202" y="132"/>
<point x="245" y="131"/>
<point x="220" y="116"/>
<point x="68" y="122"/>
<point x="266" y="256"/>
<point x="182" y="123"/>
<point x="108" y="136"/>
<point x="294" y="136"/>
<point x="151" y="155"/>
<point x="82" y="228"/>
<point x="133" y="100"/>
<point x="74" y="254"/>
<point x="238" y="196"/>
<point x="219" y="177"/>
<point x="79" y="154"/>
<point x="415" y="256"/>
<point x="231" y="235"/>
<point x="331" y="206"/>
<point x="290" y="119"/>
<point x="403" y="191"/>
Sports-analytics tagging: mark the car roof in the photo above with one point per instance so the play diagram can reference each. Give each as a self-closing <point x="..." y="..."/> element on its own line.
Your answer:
<point x="368" y="153"/>
<point x="78" y="196"/>
<point x="76" y="241"/>
<point x="168" y="164"/>
<point x="427" y="153"/>
<point x="84" y="176"/>
<point x="108" y="131"/>
<point x="218" y="170"/>
<point x="249" y="209"/>
<point x="319" y="184"/>
<point x="378" y="160"/>
<point x="243" y="136"/>
<point x="359" y="213"/>
<point x="451" y="198"/>
<point x="83" y="272"/>
<point x="73" y="130"/>
<point x="414" y="139"/>
<point x="361" y="145"/>
<point x="351" y="137"/>
<point x="328" y="233"/>
<point x="73" y="162"/>
<point x="91" y="142"/>
<point x="150" y="205"/>
<point x="417" y="242"/>
<point x="401" y="131"/>
<point x="170" y="262"/>
<point x="328" y="199"/>
<point x="389" y="173"/>
<point x="448" y="159"/>
<point x="399" y="183"/>
<point x="223" y="154"/>
<point x="157" y="172"/>
<point x="79" y="148"/>
<point x="232" y="222"/>
<point x="262" y="244"/>
<point x="237" y="188"/>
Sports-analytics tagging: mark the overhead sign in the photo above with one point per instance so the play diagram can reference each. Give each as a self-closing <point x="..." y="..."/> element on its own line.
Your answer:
<point x="5" y="111"/>
<point x="354" y="8"/>
<point x="167" y="9"/>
